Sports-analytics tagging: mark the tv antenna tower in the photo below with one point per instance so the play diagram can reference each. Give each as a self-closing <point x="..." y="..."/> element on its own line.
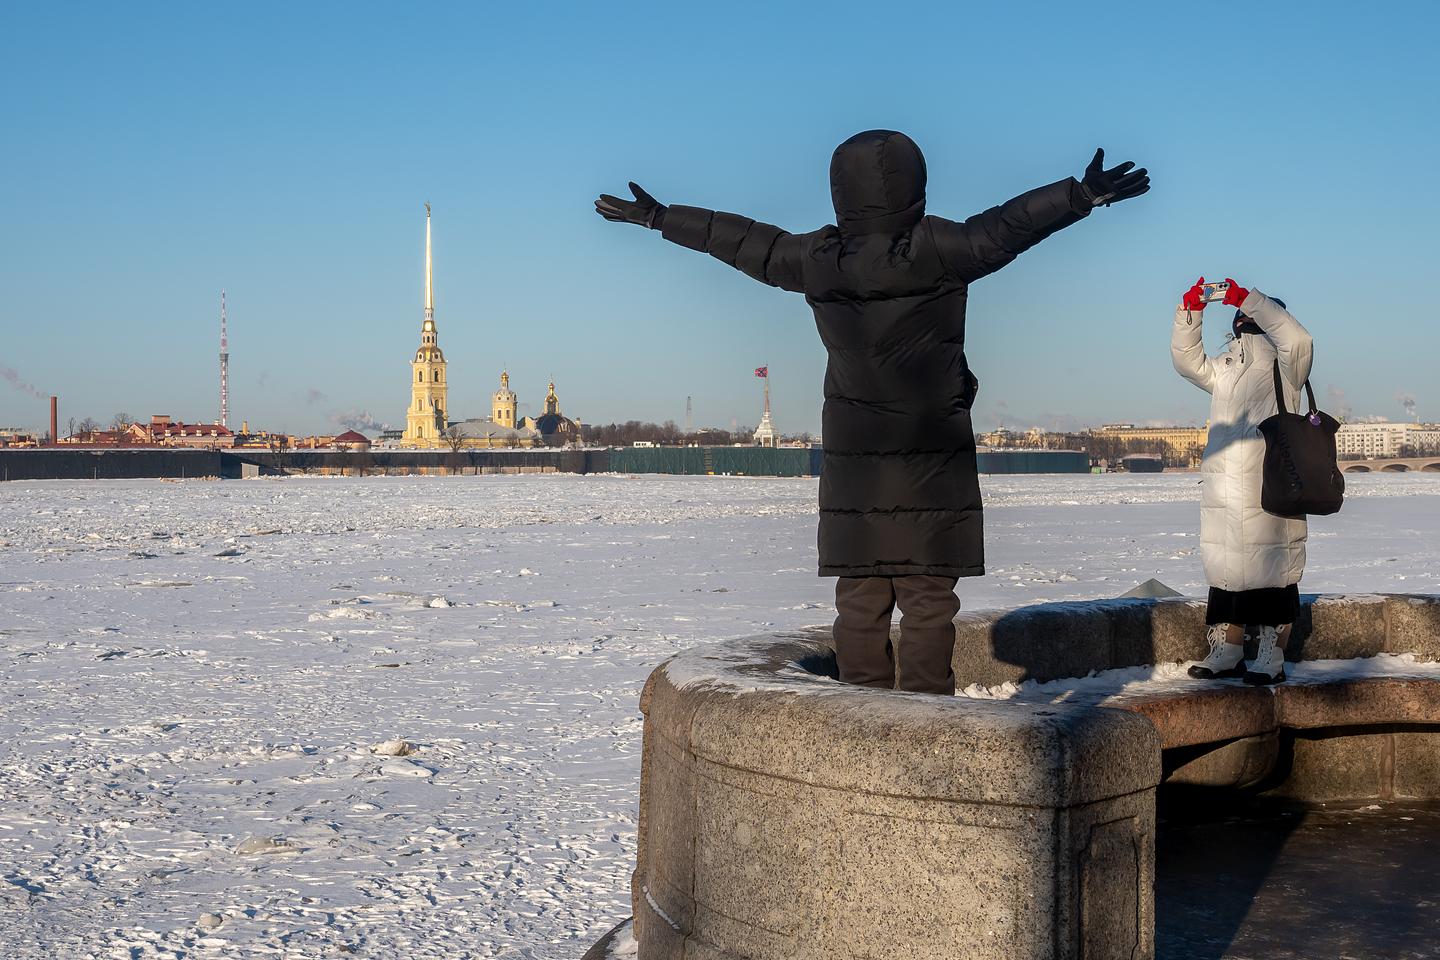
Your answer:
<point x="224" y="367"/>
<point x="689" y="417"/>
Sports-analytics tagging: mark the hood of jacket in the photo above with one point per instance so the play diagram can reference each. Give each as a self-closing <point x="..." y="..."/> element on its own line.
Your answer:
<point x="1243" y="324"/>
<point x="877" y="181"/>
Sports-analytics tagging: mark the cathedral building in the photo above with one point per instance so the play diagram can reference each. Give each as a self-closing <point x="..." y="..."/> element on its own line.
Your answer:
<point x="426" y="419"/>
<point x="553" y="427"/>
<point x="500" y="428"/>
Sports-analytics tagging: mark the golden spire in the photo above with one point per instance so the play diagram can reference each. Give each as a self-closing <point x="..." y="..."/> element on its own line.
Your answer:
<point x="429" y="276"/>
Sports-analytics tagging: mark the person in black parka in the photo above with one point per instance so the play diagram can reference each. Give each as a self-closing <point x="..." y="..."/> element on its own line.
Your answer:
<point x="900" y="513"/>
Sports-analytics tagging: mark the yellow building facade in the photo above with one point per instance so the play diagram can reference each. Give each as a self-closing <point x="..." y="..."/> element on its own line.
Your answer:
<point x="427" y="417"/>
<point x="1188" y="442"/>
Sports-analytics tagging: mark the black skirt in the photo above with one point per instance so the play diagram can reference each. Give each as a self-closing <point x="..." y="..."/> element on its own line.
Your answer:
<point x="1265" y="607"/>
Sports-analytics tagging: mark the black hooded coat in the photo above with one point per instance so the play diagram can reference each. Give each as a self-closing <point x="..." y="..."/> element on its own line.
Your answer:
<point x="898" y="493"/>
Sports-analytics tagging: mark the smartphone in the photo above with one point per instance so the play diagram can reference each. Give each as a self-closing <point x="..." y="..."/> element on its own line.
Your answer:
<point x="1214" y="292"/>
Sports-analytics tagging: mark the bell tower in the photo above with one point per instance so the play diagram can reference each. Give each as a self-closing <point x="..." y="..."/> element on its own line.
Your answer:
<point x="425" y="420"/>
<point x="502" y="403"/>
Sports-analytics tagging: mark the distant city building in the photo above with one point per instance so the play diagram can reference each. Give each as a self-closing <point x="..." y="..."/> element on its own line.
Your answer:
<point x="167" y="433"/>
<point x="1183" y="444"/>
<point x="263" y="439"/>
<point x="161" y="431"/>
<point x="320" y="441"/>
<point x="1178" y="437"/>
<point x="17" y="437"/>
<point x="1032" y="439"/>
<point x="1383" y="440"/>
<point x="134" y="435"/>
<point x="999" y="437"/>
<point x="352" y="440"/>
<point x="1177" y="446"/>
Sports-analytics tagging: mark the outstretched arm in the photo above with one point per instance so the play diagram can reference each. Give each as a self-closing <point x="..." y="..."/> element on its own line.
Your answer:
<point x="1187" y="346"/>
<point x="759" y="250"/>
<point x="756" y="249"/>
<point x="988" y="241"/>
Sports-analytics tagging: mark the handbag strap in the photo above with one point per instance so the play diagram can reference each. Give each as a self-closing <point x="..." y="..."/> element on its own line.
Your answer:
<point x="1280" y="391"/>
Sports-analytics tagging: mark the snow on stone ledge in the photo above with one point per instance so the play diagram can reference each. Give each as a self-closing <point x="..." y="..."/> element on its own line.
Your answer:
<point x="1172" y="678"/>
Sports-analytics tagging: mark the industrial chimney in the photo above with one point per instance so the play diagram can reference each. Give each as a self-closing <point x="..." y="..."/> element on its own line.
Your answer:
<point x="54" y="421"/>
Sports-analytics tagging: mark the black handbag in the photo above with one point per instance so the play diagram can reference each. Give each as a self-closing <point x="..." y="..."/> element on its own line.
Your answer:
<point x="1302" y="473"/>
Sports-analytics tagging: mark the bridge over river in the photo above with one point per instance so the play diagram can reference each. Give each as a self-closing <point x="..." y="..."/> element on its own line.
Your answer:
<point x="1430" y="464"/>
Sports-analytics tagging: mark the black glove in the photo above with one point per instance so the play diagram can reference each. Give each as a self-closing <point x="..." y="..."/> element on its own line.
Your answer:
<point x="1113" y="185"/>
<point x="644" y="210"/>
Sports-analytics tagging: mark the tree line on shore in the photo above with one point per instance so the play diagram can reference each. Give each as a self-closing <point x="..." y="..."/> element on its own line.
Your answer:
<point x="671" y="434"/>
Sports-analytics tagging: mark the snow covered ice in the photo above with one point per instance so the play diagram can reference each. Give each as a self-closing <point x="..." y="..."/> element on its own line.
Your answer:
<point x="398" y="717"/>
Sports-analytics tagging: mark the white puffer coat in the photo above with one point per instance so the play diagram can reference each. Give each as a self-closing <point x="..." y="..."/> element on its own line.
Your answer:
<point x="1243" y="547"/>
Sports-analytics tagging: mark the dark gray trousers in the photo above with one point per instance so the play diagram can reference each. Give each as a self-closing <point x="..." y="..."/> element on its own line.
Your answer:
<point x="927" y="632"/>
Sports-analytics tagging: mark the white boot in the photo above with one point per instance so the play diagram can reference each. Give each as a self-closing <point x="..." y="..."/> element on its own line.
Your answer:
<point x="1224" y="660"/>
<point x="1269" y="663"/>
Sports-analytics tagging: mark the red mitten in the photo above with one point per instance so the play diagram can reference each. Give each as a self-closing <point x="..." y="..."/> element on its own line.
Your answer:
<point x="1194" y="298"/>
<point x="1235" y="295"/>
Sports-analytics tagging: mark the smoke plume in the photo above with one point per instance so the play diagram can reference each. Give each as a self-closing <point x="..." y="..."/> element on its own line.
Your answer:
<point x="358" y="420"/>
<point x="7" y="373"/>
<point x="1339" y="405"/>
<point x="313" y="396"/>
<point x="1407" y="401"/>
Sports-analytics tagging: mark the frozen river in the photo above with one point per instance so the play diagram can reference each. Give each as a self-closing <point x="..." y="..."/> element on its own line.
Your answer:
<point x="194" y="676"/>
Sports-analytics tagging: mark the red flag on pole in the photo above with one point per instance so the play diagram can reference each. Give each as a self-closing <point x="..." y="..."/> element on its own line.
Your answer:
<point x="762" y="371"/>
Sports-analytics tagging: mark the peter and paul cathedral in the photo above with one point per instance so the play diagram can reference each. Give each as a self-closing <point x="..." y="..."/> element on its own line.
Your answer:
<point x="427" y="418"/>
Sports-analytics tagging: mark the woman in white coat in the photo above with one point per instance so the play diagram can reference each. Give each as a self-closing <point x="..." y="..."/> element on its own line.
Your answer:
<point x="1253" y="560"/>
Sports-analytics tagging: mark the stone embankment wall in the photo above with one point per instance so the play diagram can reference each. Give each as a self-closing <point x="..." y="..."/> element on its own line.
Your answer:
<point x="784" y="815"/>
<point x="109" y="463"/>
<point x="60" y="464"/>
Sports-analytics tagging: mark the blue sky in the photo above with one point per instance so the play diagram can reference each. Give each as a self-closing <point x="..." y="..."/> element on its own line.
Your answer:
<point x="155" y="153"/>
